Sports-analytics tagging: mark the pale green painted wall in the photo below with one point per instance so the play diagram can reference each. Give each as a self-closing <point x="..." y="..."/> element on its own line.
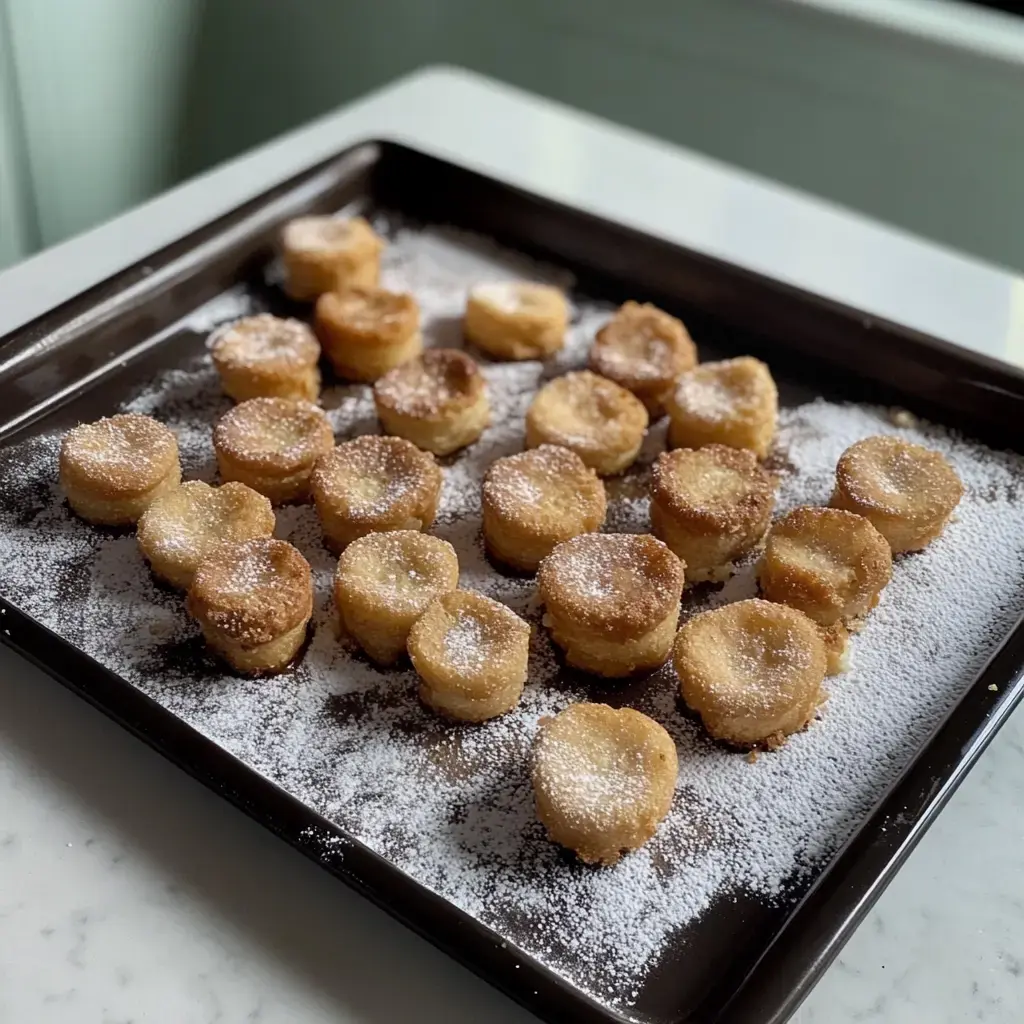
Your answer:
<point x="17" y="237"/>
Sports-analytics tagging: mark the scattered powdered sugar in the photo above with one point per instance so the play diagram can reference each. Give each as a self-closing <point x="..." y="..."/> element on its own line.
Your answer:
<point x="466" y="643"/>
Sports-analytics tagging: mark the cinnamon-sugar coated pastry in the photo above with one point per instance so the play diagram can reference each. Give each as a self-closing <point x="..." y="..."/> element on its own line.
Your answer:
<point x="612" y="601"/>
<point x="644" y="350"/>
<point x="604" y="424"/>
<point x="271" y="445"/>
<point x="437" y="400"/>
<point x="367" y="331"/>
<point x="536" y="499"/>
<point x="181" y="527"/>
<point x="113" y="469"/>
<point x="836" y="638"/>
<point x="603" y="779"/>
<point x="752" y="670"/>
<point x="733" y="402"/>
<point x="384" y="583"/>
<point x="373" y="483"/>
<point x="710" y="506"/>
<point x="253" y="601"/>
<point x="471" y="656"/>
<point x="907" y="491"/>
<point x="829" y="563"/>
<point x="326" y="254"/>
<point x="516" y="319"/>
<point x="265" y="356"/>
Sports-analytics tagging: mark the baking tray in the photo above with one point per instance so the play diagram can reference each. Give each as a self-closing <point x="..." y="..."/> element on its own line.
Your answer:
<point x="744" y="960"/>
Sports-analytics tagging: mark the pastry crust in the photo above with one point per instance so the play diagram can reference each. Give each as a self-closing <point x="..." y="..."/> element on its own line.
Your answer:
<point x="326" y="254"/>
<point x="516" y="319"/>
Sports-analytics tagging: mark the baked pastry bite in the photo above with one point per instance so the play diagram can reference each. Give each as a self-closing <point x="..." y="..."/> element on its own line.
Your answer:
<point x="837" y="648"/>
<point x="326" y="254"/>
<point x="907" y="492"/>
<point x="603" y="779"/>
<point x="374" y="483"/>
<point x="516" y="319"/>
<point x="253" y="601"/>
<point x="437" y="400"/>
<point x="113" y="469"/>
<point x="604" y="424"/>
<point x="181" y="527"/>
<point x="271" y="445"/>
<point x="612" y="601"/>
<point x="383" y="584"/>
<point x="733" y="402"/>
<point x="752" y="670"/>
<point x="471" y="655"/>
<point x="644" y="350"/>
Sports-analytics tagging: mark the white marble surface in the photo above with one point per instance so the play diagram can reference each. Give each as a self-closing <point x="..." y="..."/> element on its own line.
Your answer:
<point x="130" y="893"/>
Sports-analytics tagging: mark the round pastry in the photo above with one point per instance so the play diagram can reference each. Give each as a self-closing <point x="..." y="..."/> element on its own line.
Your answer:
<point x="516" y="319"/>
<point x="265" y="356"/>
<point x="603" y="779"/>
<point x="271" y="445"/>
<point x="534" y="500"/>
<point x="253" y="601"/>
<point x="326" y="254"/>
<point x="470" y="653"/>
<point x="367" y="331"/>
<point x="908" y="492"/>
<point x="612" y="601"/>
<point x="438" y="401"/>
<point x="374" y="483"/>
<point x="644" y="350"/>
<point x="113" y="469"/>
<point x="752" y="670"/>
<point x="601" y="422"/>
<point x="733" y="402"/>
<point x="383" y="584"/>
<point x="179" y="528"/>
<point x="829" y="563"/>
<point x="710" y="506"/>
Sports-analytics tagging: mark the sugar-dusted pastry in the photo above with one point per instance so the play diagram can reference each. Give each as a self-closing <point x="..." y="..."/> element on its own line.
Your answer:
<point x="471" y="654"/>
<point x="367" y="331"/>
<point x="253" y="601"/>
<point x="733" y="402"/>
<point x="534" y="500"/>
<point x="644" y="350"/>
<point x="516" y="319"/>
<point x="327" y="254"/>
<point x="181" y="527"/>
<point x="271" y="445"/>
<point x="374" y="483"/>
<point x="113" y="469"/>
<point x="437" y="400"/>
<point x="837" y="647"/>
<point x="265" y="356"/>
<point x="603" y="779"/>
<point x="908" y="492"/>
<point x="384" y="583"/>
<point x="752" y="670"/>
<point x="604" y="424"/>
<point x="612" y="601"/>
<point x="710" y="506"/>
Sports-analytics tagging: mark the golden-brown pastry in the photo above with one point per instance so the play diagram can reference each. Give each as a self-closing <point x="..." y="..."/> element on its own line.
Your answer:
<point x="437" y="400"/>
<point x="752" y="670"/>
<point x="326" y="254"/>
<point x="253" y="601"/>
<point x="837" y="647"/>
<point x="601" y="422"/>
<point x="644" y="350"/>
<point x="113" y="469"/>
<point x="181" y="527"/>
<point x="516" y="319"/>
<point x="534" y="500"/>
<point x="373" y="483"/>
<point x="470" y="653"/>
<point x="612" y="601"/>
<point x="733" y="402"/>
<point x="271" y="445"/>
<point x="603" y="779"/>
<point x="710" y="506"/>
<point x="384" y="583"/>
<point x="908" y="492"/>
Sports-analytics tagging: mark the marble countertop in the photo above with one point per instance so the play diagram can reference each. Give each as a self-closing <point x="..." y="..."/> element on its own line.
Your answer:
<point x="129" y="893"/>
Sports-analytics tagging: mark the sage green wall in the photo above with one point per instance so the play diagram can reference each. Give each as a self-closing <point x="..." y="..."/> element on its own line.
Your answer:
<point x="17" y="237"/>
